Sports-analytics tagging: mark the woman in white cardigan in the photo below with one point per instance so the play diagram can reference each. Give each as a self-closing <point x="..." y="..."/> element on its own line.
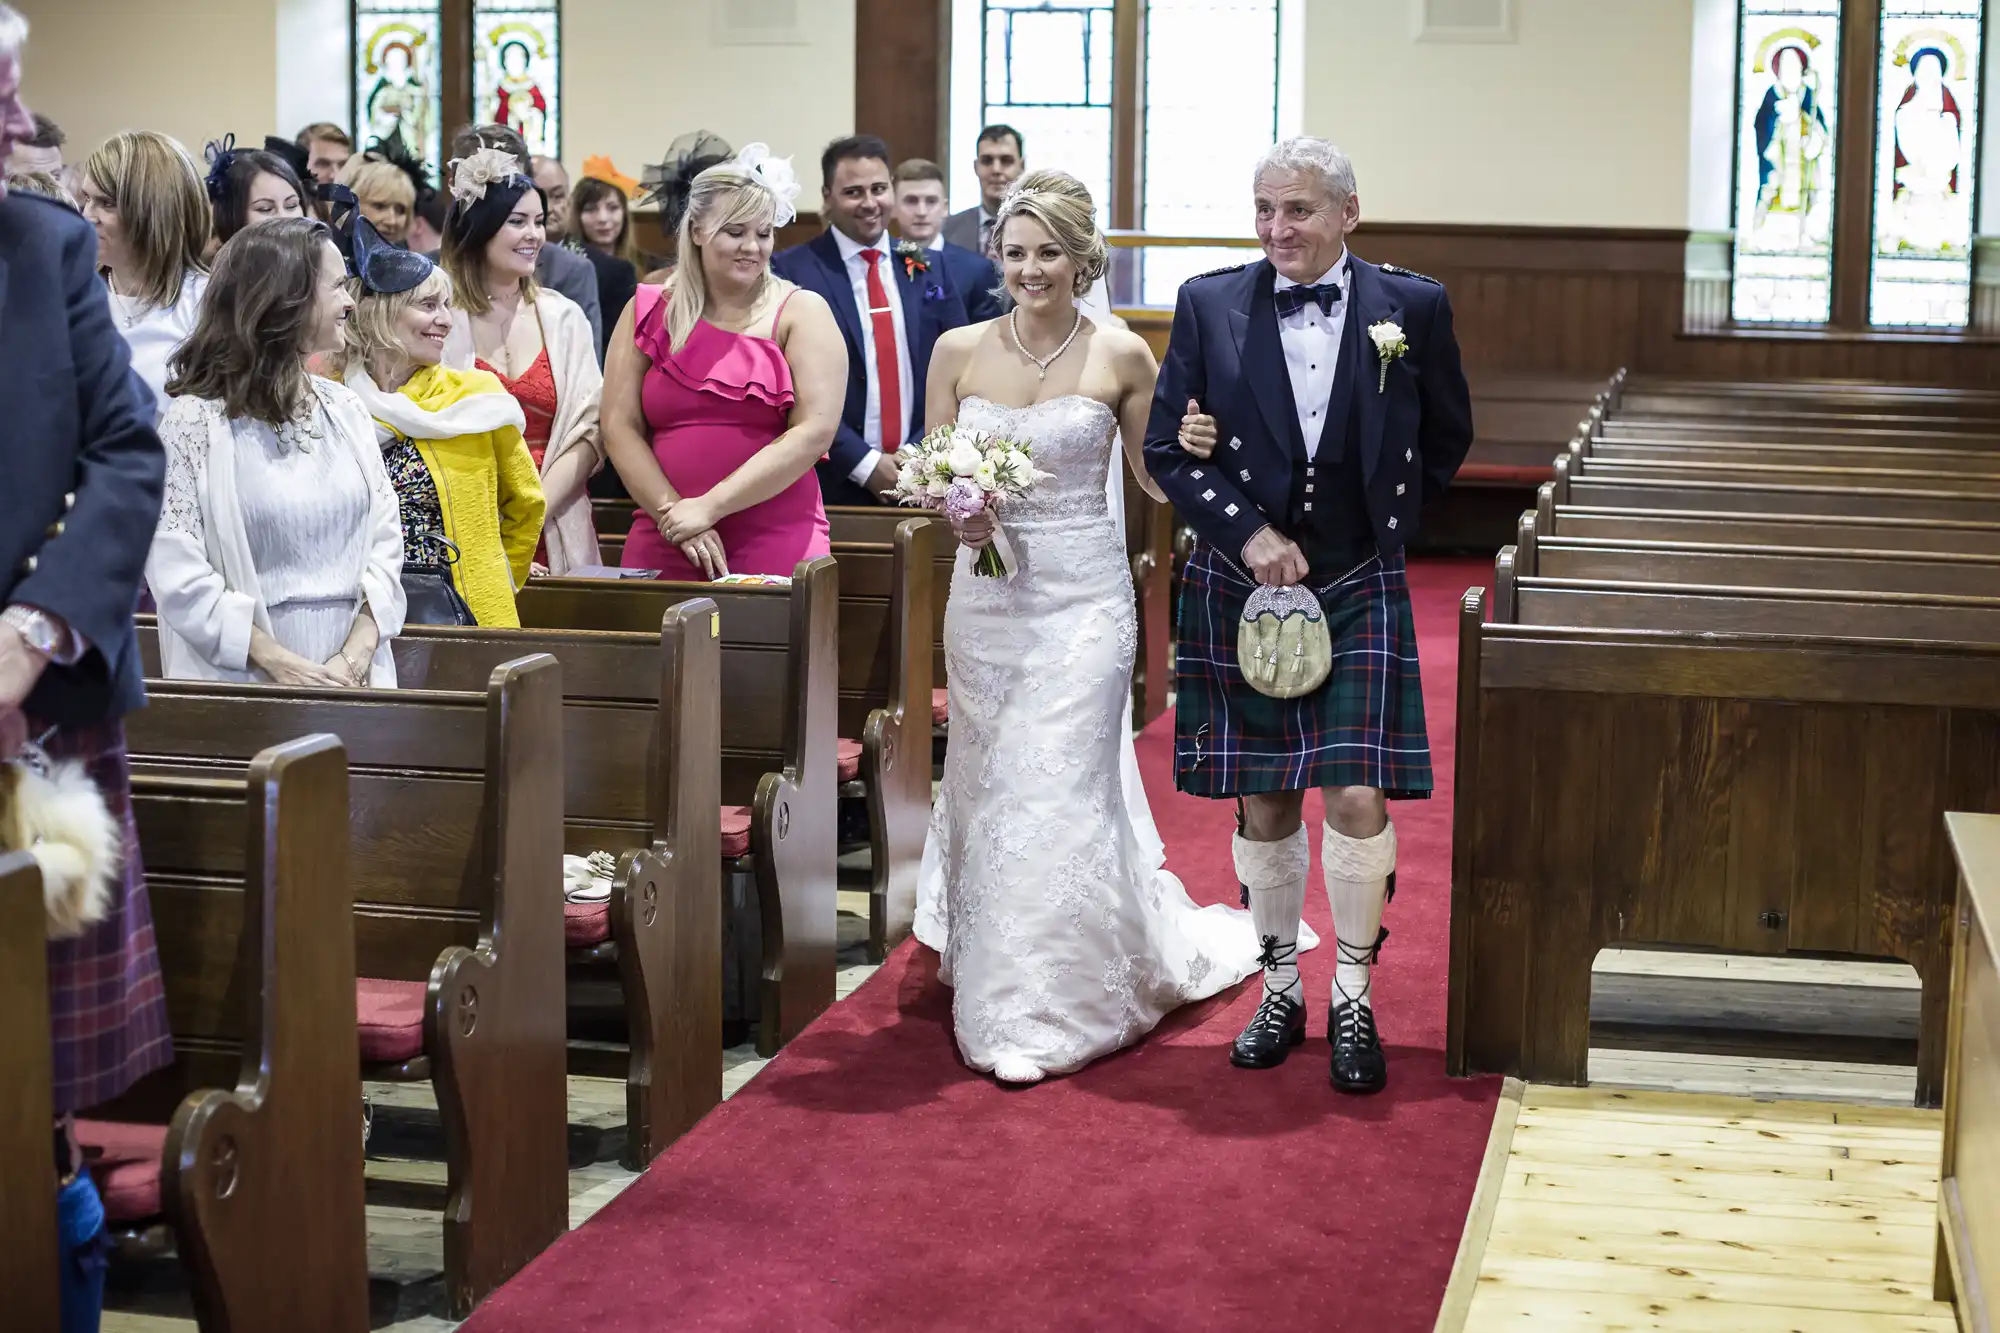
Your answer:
<point x="536" y="341"/>
<point x="279" y="554"/>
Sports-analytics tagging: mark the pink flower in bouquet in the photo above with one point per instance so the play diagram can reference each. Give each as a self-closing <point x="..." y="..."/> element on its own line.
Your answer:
<point x="963" y="500"/>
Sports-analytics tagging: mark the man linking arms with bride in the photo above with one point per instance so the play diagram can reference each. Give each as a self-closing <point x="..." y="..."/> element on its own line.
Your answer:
<point x="1310" y="404"/>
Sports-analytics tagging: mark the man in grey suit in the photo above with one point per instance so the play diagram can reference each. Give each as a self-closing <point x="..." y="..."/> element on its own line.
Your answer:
<point x="564" y="270"/>
<point x="1001" y="160"/>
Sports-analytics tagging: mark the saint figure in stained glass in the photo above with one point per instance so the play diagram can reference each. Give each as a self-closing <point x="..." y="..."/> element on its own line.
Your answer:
<point x="397" y="103"/>
<point x="519" y="101"/>
<point x="1792" y="147"/>
<point x="1928" y="129"/>
<point x="515" y="76"/>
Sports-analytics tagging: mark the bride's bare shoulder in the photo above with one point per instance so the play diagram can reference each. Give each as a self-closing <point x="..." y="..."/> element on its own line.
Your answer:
<point x="962" y="340"/>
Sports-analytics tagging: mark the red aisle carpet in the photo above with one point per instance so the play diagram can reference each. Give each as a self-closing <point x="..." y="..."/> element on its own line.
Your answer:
<point x="866" y="1180"/>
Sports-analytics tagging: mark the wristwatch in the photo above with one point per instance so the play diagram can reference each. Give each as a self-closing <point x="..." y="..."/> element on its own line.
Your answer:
<point x="42" y="631"/>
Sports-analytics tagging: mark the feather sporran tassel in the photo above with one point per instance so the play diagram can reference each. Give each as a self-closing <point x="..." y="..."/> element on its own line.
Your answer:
<point x="59" y="817"/>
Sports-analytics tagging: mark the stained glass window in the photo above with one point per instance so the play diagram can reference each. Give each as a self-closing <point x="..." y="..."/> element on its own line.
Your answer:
<point x="1787" y="109"/>
<point x="1200" y="148"/>
<point x="1047" y="72"/>
<point x="398" y="75"/>
<point x="517" y="69"/>
<point x="1926" y="155"/>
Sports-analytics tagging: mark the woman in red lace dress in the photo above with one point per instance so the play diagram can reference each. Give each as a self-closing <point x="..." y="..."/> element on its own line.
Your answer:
<point x="538" y="342"/>
<point x="723" y="390"/>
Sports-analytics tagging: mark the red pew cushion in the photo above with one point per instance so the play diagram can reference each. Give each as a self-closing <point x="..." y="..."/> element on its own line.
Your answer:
<point x="586" y="924"/>
<point x="847" y="759"/>
<point x="940" y="707"/>
<point x="390" y="1016"/>
<point x="735" y="830"/>
<point x="125" y="1164"/>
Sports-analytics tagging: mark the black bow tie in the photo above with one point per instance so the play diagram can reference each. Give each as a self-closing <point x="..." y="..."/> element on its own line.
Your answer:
<point x="1291" y="300"/>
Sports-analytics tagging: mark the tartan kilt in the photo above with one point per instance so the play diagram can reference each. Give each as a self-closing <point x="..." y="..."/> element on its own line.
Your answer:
<point x="1363" y="728"/>
<point x="107" y="1006"/>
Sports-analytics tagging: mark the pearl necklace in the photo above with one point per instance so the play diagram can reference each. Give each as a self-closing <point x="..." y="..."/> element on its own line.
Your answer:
<point x="1014" y="327"/>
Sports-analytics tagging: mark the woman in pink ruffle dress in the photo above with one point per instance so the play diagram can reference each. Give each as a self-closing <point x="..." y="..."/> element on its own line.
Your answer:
<point x="723" y="389"/>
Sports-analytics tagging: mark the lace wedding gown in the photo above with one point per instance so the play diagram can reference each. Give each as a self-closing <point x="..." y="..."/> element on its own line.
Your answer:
<point x="1062" y="936"/>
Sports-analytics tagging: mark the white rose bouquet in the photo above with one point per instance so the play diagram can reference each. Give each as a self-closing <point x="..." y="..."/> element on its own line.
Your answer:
<point x="959" y="472"/>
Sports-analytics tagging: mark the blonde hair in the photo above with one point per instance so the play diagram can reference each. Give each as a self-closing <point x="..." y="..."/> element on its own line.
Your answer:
<point x="371" y="331"/>
<point x="1061" y="204"/>
<point x="163" y="209"/>
<point x="722" y="196"/>
<point x="373" y="178"/>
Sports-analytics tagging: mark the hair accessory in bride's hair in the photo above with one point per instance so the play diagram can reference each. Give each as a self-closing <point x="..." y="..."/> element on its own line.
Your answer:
<point x="471" y="176"/>
<point x="667" y="184"/>
<point x="774" y="174"/>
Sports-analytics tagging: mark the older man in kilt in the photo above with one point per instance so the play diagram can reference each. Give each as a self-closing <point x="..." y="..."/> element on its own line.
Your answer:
<point x="1308" y="406"/>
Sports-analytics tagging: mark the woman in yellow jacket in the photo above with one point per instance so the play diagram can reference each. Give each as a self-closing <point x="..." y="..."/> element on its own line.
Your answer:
<point x="451" y="439"/>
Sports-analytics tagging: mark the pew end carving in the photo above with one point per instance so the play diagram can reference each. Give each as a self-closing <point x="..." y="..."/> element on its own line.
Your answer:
<point x="28" y="1245"/>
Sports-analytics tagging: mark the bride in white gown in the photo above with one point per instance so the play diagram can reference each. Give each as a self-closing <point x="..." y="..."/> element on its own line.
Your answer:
<point x="1043" y="885"/>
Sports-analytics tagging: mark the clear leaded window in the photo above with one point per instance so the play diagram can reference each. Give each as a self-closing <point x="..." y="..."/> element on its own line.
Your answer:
<point x="1200" y="148"/>
<point x="517" y="69"/>
<point x="1926" y="155"/>
<point x="1787" y="109"/>
<point x="1047" y="72"/>
<point x="398" y="75"/>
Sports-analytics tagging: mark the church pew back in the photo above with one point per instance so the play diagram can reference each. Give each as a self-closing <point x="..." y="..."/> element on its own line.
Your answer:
<point x="1948" y="461"/>
<point x="1750" y="792"/>
<point x="1723" y="497"/>
<point x="258" y="966"/>
<point x="1849" y="532"/>
<point x="1749" y="566"/>
<point x="779" y="688"/>
<point x="455" y="836"/>
<point x="1757" y="472"/>
<point x="641" y="759"/>
<point x="1968" y="1259"/>
<point x="28" y="1247"/>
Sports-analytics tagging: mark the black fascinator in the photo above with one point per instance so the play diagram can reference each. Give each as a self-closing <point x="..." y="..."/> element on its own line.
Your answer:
<point x="221" y="155"/>
<point x="292" y="155"/>
<point x="669" y="183"/>
<point x="396" y="151"/>
<point x="383" y="269"/>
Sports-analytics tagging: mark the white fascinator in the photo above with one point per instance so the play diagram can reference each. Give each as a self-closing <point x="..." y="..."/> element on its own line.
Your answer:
<point x="471" y="175"/>
<point x="774" y="174"/>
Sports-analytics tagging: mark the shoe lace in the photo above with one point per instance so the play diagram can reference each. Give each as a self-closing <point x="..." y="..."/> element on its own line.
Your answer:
<point x="1349" y="953"/>
<point x="1275" y="954"/>
<point x="1354" y="1024"/>
<point x="1272" y="1019"/>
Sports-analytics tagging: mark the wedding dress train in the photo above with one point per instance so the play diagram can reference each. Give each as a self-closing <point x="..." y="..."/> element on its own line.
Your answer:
<point x="1043" y="887"/>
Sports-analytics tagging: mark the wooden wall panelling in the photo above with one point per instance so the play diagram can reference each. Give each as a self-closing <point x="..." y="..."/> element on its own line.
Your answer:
<point x="902" y="72"/>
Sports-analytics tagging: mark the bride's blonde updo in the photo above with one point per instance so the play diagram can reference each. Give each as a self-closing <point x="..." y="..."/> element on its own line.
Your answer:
<point x="1061" y="204"/>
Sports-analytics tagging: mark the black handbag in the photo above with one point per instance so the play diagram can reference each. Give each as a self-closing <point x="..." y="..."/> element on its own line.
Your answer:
<point x="427" y="587"/>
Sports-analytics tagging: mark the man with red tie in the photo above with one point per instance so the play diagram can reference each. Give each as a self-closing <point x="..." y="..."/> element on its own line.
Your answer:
<point x="891" y="302"/>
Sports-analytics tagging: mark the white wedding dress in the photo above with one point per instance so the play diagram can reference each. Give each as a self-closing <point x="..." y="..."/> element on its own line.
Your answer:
<point x="1043" y="887"/>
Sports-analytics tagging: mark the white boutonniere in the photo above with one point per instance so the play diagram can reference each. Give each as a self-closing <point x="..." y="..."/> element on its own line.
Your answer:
<point x="1390" y="345"/>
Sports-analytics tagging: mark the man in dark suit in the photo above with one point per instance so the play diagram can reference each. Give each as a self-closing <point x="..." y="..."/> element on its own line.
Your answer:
<point x="891" y="309"/>
<point x="920" y="222"/>
<point x="1000" y="157"/>
<point x="1309" y="404"/>
<point x="84" y="472"/>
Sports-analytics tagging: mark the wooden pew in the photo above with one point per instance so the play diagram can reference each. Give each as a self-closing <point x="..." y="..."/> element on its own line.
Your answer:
<point x="779" y="692"/>
<point x="28" y="1244"/>
<point x="642" y="775"/>
<point x="455" y="830"/>
<point x="1948" y="502"/>
<point x="257" y="961"/>
<point x="875" y="524"/>
<point x="1752" y="792"/>
<point x="1747" y="565"/>
<point x="1789" y="455"/>
<point x="1968" y="1252"/>
<point x="1845" y="532"/>
<point x="1795" y="399"/>
<point x="1983" y="483"/>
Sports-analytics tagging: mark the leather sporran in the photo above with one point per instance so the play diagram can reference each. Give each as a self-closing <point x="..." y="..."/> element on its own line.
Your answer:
<point x="427" y="587"/>
<point x="1283" y="647"/>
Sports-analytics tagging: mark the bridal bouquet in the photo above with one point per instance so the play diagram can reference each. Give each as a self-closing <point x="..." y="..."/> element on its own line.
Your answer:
<point x="959" y="471"/>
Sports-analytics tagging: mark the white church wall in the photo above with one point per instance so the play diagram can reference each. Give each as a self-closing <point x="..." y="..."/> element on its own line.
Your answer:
<point x="1580" y="120"/>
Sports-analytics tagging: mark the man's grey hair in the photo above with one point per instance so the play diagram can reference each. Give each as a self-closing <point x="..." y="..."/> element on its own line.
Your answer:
<point x="13" y="31"/>
<point x="1310" y="156"/>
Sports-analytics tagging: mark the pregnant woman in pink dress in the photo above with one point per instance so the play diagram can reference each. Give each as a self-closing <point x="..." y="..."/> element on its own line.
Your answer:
<point x="723" y="390"/>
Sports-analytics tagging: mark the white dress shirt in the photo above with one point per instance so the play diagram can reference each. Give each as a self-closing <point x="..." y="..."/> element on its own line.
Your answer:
<point x="1312" y="350"/>
<point x="857" y="274"/>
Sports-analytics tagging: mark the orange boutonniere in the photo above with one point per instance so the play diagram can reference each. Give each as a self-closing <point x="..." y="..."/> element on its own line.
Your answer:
<point x="914" y="259"/>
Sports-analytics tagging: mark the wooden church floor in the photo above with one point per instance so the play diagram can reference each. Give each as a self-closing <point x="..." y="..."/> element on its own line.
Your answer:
<point x="1612" y="1209"/>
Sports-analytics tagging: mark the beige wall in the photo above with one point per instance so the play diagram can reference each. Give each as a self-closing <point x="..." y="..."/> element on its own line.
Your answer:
<point x="193" y="68"/>
<point x="1582" y="120"/>
<point x="640" y="72"/>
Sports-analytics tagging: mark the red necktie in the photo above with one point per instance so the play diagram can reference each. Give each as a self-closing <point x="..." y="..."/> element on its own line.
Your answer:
<point x="888" y="366"/>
